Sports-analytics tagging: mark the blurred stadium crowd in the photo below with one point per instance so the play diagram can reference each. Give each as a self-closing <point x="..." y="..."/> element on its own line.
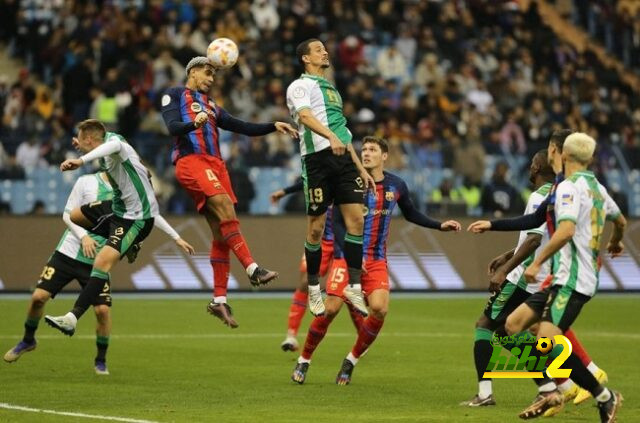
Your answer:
<point x="468" y="88"/>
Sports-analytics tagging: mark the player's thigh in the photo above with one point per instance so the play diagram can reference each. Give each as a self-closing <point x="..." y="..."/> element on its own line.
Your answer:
<point x="349" y="186"/>
<point x="124" y="233"/>
<point x="203" y="177"/>
<point x="563" y="306"/>
<point x="520" y="319"/>
<point x="221" y="206"/>
<point x="353" y="217"/>
<point x="97" y="215"/>
<point x="548" y="330"/>
<point x="317" y="169"/>
<point x="315" y="227"/>
<point x="332" y="305"/>
<point x="57" y="273"/>
<point x="378" y="301"/>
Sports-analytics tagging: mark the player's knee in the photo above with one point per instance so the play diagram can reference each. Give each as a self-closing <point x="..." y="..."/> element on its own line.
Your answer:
<point x="331" y="309"/>
<point x="379" y="311"/>
<point x="315" y="235"/>
<point x="482" y="322"/>
<point x="102" y="312"/>
<point x="221" y="207"/>
<point x="40" y="297"/>
<point x="534" y="328"/>
<point x="512" y="326"/>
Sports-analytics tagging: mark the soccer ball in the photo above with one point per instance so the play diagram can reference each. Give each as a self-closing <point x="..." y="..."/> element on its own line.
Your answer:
<point x="222" y="53"/>
<point x="544" y="345"/>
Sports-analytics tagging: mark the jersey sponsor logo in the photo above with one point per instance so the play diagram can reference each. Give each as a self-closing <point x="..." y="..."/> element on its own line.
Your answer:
<point x="166" y="99"/>
<point x="196" y="107"/>
<point x="567" y="199"/>
<point x="561" y="301"/>
<point x="299" y="92"/>
<point x="119" y="231"/>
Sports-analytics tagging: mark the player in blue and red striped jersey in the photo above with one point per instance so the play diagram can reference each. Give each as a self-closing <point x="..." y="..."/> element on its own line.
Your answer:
<point x="390" y="191"/>
<point x="193" y="118"/>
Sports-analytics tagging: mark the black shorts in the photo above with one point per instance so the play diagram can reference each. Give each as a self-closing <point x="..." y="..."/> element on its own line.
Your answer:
<point x="502" y="303"/>
<point x="559" y="305"/>
<point x="60" y="270"/>
<point x="330" y="179"/>
<point x="121" y="234"/>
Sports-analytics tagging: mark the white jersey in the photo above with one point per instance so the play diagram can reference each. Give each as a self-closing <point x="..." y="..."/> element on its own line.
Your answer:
<point x="321" y="97"/>
<point x="584" y="201"/>
<point x="516" y="276"/>
<point x="133" y="196"/>
<point x="87" y="189"/>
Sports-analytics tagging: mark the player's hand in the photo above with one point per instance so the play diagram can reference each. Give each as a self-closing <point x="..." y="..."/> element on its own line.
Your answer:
<point x="71" y="164"/>
<point x="337" y="147"/>
<point x="285" y="128"/>
<point x="276" y="196"/>
<point x="201" y="119"/>
<point x="450" y="225"/>
<point x="89" y="246"/>
<point x="369" y="182"/>
<point x="498" y="262"/>
<point x="186" y="247"/>
<point x="531" y="272"/>
<point x="496" y="280"/>
<point x="615" y="248"/>
<point x="479" y="226"/>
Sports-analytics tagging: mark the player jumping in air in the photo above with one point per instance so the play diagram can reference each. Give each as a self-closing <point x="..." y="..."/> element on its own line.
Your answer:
<point x="330" y="176"/>
<point x="379" y="205"/>
<point x="193" y="118"/>
<point x="73" y="259"/>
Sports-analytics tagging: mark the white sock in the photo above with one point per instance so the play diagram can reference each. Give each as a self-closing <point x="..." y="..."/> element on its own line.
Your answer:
<point x="566" y="385"/>
<point x="251" y="268"/>
<point x="547" y="387"/>
<point x="220" y="300"/>
<point x="301" y="359"/>
<point x="593" y="368"/>
<point x="356" y="287"/>
<point x="71" y="318"/>
<point x="604" y="396"/>
<point x="314" y="288"/>
<point x="352" y="359"/>
<point x="485" y="389"/>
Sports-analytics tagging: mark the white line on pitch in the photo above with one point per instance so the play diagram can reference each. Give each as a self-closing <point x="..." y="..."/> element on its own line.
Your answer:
<point x="67" y="413"/>
<point x="278" y="335"/>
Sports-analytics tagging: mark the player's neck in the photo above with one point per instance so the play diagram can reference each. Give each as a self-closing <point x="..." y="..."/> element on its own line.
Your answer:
<point x="571" y="167"/>
<point x="315" y="71"/>
<point x="539" y="182"/>
<point x="376" y="173"/>
<point x="191" y="85"/>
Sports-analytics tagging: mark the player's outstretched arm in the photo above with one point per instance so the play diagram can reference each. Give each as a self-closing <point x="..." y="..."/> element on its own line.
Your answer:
<point x="279" y="194"/>
<point x="103" y="150"/>
<point x="165" y="227"/>
<point x="231" y="123"/>
<point x="413" y="215"/>
<point x="528" y="247"/>
<point x="563" y="234"/>
<point x="499" y="261"/>
<point x="521" y="223"/>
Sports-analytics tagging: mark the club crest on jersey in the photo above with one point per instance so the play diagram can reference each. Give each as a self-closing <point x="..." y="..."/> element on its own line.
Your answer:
<point x="389" y="195"/>
<point x="196" y="107"/>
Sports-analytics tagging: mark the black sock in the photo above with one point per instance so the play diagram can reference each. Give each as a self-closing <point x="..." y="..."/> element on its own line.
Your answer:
<point x="90" y="292"/>
<point x="102" y="342"/>
<point x="313" y="255"/>
<point x="30" y="327"/>
<point x="582" y="376"/>
<point x="482" y="350"/>
<point x="353" y="257"/>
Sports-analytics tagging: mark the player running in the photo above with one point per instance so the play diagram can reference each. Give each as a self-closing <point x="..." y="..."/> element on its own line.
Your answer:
<point x="379" y="206"/>
<point x="73" y="259"/>
<point x="507" y="284"/>
<point x="299" y="300"/>
<point x="581" y="206"/>
<point x="134" y="209"/>
<point x="330" y="176"/>
<point x="193" y="118"/>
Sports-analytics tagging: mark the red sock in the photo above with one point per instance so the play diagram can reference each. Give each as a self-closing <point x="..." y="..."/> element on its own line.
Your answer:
<point x="368" y="333"/>
<point x="356" y="317"/>
<point x="317" y="331"/>
<point x="577" y="348"/>
<point x="230" y="230"/>
<point x="219" y="259"/>
<point x="296" y="311"/>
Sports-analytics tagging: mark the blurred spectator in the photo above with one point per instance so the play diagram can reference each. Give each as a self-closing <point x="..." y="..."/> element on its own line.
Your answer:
<point x="29" y="154"/>
<point x="391" y="64"/>
<point x="499" y="196"/>
<point x="39" y="208"/>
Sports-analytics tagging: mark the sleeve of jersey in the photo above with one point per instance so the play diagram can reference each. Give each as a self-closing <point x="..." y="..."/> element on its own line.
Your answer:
<point x="172" y="117"/>
<point x="297" y="187"/>
<point x="72" y="202"/>
<point x="610" y="207"/>
<point x="532" y="205"/>
<point x="567" y="204"/>
<point x="411" y="213"/>
<point x="228" y="122"/>
<point x="299" y="95"/>
<point x="165" y="227"/>
<point x="103" y="150"/>
<point x="528" y="221"/>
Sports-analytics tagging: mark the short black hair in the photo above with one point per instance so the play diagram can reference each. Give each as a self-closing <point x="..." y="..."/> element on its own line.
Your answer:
<point x="381" y="142"/>
<point x="545" y="167"/>
<point x="303" y="49"/>
<point x="558" y="137"/>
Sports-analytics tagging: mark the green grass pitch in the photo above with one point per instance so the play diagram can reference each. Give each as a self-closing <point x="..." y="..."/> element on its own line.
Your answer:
<point x="171" y="362"/>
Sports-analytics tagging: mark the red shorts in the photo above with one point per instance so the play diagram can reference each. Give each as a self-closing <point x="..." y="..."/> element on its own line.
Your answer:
<point x="375" y="277"/>
<point x="327" y="257"/>
<point x="203" y="177"/>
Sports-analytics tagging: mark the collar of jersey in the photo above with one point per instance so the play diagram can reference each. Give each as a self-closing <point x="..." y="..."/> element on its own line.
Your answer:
<point x="308" y="75"/>
<point x="584" y="173"/>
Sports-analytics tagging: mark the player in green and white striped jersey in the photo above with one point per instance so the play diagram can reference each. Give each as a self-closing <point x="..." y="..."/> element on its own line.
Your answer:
<point x="582" y="205"/>
<point x="73" y="259"/>
<point x="330" y="176"/>
<point x="134" y="209"/>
